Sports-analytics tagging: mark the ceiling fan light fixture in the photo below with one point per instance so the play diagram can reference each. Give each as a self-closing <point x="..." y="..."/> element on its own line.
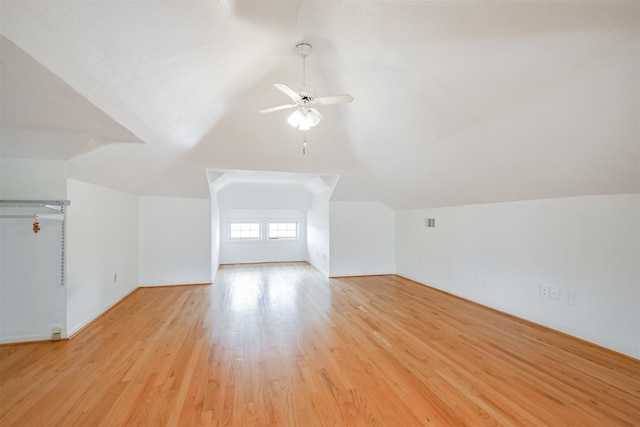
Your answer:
<point x="304" y="119"/>
<point x="296" y="118"/>
<point x="312" y="117"/>
<point x="304" y="126"/>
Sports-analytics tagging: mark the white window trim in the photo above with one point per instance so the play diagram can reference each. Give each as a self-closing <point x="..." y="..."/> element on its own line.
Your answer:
<point x="244" y="239"/>
<point x="297" y="223"/>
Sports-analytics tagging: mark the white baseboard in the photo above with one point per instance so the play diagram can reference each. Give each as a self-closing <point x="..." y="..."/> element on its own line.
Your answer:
<point x="25" y="338"/>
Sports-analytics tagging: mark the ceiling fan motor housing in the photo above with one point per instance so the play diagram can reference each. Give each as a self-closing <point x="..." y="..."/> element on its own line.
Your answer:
<point x="307" y="93"/>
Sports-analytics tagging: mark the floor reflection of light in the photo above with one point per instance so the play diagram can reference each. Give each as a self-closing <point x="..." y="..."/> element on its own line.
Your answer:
<point x="274" y="308"/>
<point x="245" y="291"/>
<point x="282" y="295"/>
<point x="277" y="294"/>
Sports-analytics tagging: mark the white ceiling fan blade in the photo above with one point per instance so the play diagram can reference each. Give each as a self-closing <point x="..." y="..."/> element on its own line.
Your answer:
<point x="336" y="99"/>
<point x="278" y="108"/>
<point x="288" y="91"/>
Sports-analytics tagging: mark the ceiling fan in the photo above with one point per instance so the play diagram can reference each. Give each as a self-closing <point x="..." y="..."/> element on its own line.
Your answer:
<point x="305" y="116"/>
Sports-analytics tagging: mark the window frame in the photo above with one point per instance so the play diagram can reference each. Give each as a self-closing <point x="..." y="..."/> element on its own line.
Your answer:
<point x="230" y="224"/>
<point x="277" y="221"/>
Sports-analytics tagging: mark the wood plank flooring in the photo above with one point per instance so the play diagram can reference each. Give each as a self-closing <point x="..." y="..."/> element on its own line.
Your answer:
<point x="280" y="345"/>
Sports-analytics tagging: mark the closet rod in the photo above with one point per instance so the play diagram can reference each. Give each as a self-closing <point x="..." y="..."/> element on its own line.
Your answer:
<point x="27" y="203"/>
<point x="59" y="217"/>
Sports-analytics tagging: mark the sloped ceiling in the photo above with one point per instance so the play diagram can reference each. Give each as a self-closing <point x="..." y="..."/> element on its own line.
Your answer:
<point x="455" y="102"/>
<point x="43" y="118"/>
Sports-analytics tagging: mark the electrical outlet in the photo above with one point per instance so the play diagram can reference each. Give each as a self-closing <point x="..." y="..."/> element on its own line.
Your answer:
<point x="115" y="277"/>
<point x="569" y="297"/>
<point x="544" y="291"/>
<point x="554" y="293"/>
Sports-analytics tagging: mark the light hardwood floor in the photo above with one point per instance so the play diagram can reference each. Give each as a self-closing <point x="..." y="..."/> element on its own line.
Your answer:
<point x="280" y="345"/>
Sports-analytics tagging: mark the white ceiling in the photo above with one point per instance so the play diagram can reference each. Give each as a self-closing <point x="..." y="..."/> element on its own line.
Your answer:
<point x="455" y="102"/>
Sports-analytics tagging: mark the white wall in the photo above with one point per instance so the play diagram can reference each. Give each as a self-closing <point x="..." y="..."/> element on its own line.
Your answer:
<point x="362" y="239"/>
<point x="102" y="243"/>
<point x="22" y="179"/>
<point x="318" y="242"/>
<point x="175" y="241"/>
<point x="264" y="250"/>
<point x="268" y="195"/>
<point x="215" y="236"/>
<point x="32" y="298"/>
<point x="499" y="254"/>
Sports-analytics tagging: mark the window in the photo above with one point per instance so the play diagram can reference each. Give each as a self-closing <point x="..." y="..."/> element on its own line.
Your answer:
<point x="244" y="230"/>
<point x="255" y="230"/>
<point x="283" y="230"/>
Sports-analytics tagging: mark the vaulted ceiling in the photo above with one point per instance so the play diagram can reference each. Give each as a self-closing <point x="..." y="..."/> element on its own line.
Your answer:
<point x="455" y="102"/>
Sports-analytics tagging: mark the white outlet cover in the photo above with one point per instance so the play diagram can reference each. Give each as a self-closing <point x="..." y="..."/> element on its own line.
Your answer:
<point x="569" y="297"/>
<point x="544" y="291"/>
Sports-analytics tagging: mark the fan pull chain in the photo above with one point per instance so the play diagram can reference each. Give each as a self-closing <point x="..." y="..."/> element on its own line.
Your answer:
<point x="304" y="144"/>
